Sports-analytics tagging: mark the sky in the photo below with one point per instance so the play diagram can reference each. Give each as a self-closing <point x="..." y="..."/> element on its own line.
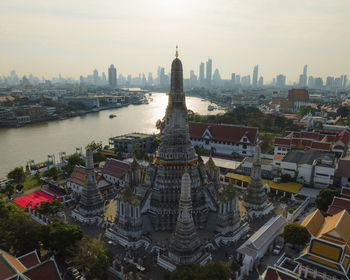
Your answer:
<point x="48" y="37"/>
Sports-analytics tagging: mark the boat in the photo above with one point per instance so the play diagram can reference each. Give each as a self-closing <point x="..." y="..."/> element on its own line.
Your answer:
<point x="111" y="116"/>
<point x="211" y="107"/>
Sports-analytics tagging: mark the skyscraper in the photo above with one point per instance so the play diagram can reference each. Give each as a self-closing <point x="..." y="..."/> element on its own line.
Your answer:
<point x="201" y="74"/>
<point x="280" y="80"/>
<point x="303" y="77"/>
<point x="233" y="79"/>
<point x="112" y="77"/>
<point x="255" y="76"/>
<point x="261" y="82"/>
<point x="209" y="71"/>
<point x="95" y="77"/>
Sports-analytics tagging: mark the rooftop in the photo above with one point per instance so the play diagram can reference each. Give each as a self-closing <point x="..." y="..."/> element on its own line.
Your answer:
<point x="301" y="156"/>
<point x="132" y="136"/>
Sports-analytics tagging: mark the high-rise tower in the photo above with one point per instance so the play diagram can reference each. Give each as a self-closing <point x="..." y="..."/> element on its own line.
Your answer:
<point x="175" y="153"/>
<point x="209" y="72"/>
<point x="255" y="76"/>
<point x="201" y="74"/>
<point x="112" y="76"/>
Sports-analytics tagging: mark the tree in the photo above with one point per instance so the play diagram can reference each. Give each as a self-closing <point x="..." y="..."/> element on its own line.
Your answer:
<point x="99" y="157"/>
<point x="17" y="175"/>
<point x="295" y="234"/>
<point x="9" y="190"/>
<point x="266" y="142"/>
<point x="73" y="160"/>
<point x="95" y="146"/>
<point x="64" y="236"/>
<point x="93" y="257"/>
<point x="216" y="270"/>
<point x="343" y="111"/>
<point x="52" y="173"/>
<point x="304" y="110"/>
<point x="18" y="232"/>
<point x="325" y="197"/>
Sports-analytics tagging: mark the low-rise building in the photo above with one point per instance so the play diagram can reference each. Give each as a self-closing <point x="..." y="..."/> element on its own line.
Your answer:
<point x="129" y="142"/>
<point x="343" y="170"/>
<point x="90" y="102"/>
<point x="251" y="252"/>
<point x="225" y="139"/>
<point x="114" y="171"/>
<point x="310" y="167"/>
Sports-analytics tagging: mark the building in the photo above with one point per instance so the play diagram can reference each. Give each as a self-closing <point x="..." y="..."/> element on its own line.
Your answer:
<point x="201" y="74"/>
<point x="90" y="102"/>
<point x="338" y="205"/>
<point x="112" y="77"/>
<point x="280" y="80"/>
<point x="262" y="241"/>
<point x="114" y="171"/>
<point x="255" y="198"/>
<point x="127" y="143"/>
<point x="209" y="66"/>
<point x="255" y="76"/>
<point x="327" y="254"/>
<point x="224" y="139"/>
<point x="337" y="142"/>
<point x="343" y="170"/>
<point x="296" y="98"/>
<point x="90" y="206"/>
<point x="311" y="167"/>
<point x="28" y="267"/>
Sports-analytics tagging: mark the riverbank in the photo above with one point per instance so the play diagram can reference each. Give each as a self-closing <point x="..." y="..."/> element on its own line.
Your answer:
<point x="37" y="141"/>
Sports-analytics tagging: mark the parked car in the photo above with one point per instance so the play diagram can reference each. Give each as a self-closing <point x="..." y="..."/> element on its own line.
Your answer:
<point x="277" y="250"/>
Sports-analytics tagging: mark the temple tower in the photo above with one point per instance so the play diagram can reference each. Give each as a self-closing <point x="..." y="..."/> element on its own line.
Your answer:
<point x="255" y="198"/>
<point x="174" y="154"/>
<point x="185" y="245"/>
<point x="91" y="206"/>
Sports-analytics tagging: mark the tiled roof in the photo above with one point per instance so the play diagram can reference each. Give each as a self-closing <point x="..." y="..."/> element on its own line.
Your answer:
<point x="344" y="137"/>
<point x="345" y="192"/>
<point x="223" y="132"/>
<point x="78" y="175"/>
<point x="115" y="168"/>
<point x="338" y="204"/>
<point x="44" y="271"/>
<point x="344" y="167"/>
<point x="275" y="273"/>
<point x="30" y="259"/>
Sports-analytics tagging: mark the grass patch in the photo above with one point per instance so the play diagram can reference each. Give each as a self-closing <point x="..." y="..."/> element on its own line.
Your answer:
<point x="31" y="182"/>
<point x="273" y="134"/>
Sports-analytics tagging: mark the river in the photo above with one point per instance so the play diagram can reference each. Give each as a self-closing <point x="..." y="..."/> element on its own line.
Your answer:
<point x="36" y="141"/>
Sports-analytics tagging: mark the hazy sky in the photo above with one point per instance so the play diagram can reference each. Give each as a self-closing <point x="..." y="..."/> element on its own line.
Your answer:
<point x="72" y="37"/>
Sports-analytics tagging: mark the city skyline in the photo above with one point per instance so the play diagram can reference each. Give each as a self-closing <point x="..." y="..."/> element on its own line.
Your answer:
<point x="235" y="35"/>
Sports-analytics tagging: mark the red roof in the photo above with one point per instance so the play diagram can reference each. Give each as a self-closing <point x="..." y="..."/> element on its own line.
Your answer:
<point x="321" y="146"/>
<point x="44" y="271"/>
<point x="344" y="137"/>
<point x="339" y="204"/>
<point x="283" y="141"/>
<point x="345" y="192"/>
<point x="344" y="167"/>
<point x="115" y="168"/>
<point x="278" y="157"/>
<point x="78" y="175"/>
<point x="223" y="132"/>
<point x="30" y="259"/>
<point x="271" y="274"/>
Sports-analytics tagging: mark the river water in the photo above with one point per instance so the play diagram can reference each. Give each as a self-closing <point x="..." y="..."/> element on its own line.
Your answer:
<point x="36" y="141"/>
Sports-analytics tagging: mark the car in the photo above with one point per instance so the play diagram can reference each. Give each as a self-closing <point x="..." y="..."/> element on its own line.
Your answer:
<point x="277" y="250"/>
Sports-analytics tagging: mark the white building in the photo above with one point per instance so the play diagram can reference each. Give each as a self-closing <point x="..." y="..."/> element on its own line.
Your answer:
<point x="225" y="139"/>
<point x="312" y="167"/>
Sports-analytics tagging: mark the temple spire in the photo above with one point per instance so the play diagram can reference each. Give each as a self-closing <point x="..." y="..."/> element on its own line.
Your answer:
<point x="177" y="52"/>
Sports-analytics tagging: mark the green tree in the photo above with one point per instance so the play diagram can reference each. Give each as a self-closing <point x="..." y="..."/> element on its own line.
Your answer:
<point x="63" y="236"/>
<point x="72" y="161"/>
<point x="304" y="110"/>
<point x="325" y="197"/>
<point x="99" y="157"/>
<point x="216" y="270"/>
<point x="9" y="190"/>
<point x="343" y="111"/>
<point x="17" y="175"/>
<point x="52" y="173"/>
<point x="93" y="257"/>
<point x="95" y="146"/>
<point x="18" y="232"/>
<point x="295" y="234"/>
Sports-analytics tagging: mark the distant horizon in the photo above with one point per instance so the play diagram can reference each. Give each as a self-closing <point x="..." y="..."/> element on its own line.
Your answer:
<point x="47" y="38"/>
